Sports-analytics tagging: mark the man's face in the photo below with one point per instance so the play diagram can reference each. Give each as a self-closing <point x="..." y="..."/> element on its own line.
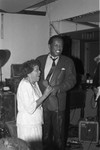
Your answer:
<point x="56" y="47"/>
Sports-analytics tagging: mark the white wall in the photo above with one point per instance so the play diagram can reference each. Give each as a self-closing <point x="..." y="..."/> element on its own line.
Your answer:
<point x="26" y="37"/>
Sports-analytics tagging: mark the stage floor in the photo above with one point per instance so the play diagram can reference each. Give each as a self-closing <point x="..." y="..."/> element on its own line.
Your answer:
<point x="81" y="145"/>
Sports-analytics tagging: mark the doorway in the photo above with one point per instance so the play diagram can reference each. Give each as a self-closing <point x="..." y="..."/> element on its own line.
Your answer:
<point x="91" y="50"/>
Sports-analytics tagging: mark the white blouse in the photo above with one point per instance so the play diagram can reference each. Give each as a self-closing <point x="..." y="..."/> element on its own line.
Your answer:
<point x="27" y="95"/>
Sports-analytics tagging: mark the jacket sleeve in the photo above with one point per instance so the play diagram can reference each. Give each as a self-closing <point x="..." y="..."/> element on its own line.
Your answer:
<point x="69" y="80"/>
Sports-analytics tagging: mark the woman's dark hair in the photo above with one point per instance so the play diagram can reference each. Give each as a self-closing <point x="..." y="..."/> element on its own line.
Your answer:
<point x="28" y="66"/>
<point x="54" y="37"/>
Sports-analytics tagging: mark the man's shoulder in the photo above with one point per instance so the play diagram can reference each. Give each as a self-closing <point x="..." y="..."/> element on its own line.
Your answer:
<point x="41" y="56"/>
<point x="66" y="58"/>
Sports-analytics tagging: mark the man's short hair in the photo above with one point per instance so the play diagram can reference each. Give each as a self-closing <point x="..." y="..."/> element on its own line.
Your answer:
<point x="54" y="37"/>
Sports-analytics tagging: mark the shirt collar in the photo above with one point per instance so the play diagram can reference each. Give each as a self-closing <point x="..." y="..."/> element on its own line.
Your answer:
<point x="57" y="57"/>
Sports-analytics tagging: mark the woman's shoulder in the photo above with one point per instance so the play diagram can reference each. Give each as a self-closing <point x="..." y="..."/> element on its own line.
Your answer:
<point x="24" y="82"/>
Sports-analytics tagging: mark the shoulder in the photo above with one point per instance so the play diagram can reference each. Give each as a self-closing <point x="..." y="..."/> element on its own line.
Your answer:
<point x="42" y="56"/>
<point x="24" y="83"/>
<point x="66" y="59"/>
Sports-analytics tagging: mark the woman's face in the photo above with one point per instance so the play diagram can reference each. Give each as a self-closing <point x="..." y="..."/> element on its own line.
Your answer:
<point x="35" y="74"/>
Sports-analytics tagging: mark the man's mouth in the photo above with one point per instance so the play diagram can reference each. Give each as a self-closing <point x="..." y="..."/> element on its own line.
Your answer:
<point x="58" y="51"/>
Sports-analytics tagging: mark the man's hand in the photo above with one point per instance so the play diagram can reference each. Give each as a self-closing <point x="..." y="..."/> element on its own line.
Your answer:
<point x="95" y="90"/>
<point x="98" y="93"/>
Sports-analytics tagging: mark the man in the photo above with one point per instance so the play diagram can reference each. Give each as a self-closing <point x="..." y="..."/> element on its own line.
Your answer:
<point x="63" y="78"/>
<point x="96" y="79"/>
<point x="96" y="85"/>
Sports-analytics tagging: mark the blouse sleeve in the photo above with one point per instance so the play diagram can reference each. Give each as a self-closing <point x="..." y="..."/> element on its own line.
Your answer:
<point x="26" y="97"/>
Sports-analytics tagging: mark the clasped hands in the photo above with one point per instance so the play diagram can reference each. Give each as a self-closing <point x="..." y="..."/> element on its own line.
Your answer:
<point x="52" y="89"/>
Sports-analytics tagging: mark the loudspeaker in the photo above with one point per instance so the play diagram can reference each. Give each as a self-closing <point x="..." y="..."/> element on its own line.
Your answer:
<point x="8" y="107"/>
<point x="15" y="70"/>
<point x="88" y="131"/>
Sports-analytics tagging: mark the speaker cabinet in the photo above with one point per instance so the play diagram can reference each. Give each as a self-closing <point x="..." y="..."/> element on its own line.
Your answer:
<point x="88" y="131"/>
<point x="15" y="70"/>
<point x="8" y="107"/>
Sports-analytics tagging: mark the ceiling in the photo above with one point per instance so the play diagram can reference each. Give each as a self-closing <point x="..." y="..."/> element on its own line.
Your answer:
<point x="31" y="7"/>
<point x="91" y="19"/>
<point x="23" y="6"/>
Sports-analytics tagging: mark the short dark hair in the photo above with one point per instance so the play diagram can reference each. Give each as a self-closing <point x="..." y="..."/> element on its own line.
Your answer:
<point x="54" y="37"/>
<point x="28" y="66"/>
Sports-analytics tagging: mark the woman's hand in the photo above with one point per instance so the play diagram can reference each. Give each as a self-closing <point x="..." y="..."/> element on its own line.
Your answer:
<point x="47" y="91"/>
<point x="45" y="83"/>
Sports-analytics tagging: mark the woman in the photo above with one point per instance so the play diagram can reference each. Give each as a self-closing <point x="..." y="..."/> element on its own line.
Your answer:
<point x="29" y="100"/>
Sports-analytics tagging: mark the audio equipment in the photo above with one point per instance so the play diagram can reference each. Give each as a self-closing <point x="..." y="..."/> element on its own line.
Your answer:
<point x="88" y="131"/>
<point x="7" y="106"/>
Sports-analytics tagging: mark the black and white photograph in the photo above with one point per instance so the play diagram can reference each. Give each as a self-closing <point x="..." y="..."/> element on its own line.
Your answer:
<point x="49" y="74"/>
